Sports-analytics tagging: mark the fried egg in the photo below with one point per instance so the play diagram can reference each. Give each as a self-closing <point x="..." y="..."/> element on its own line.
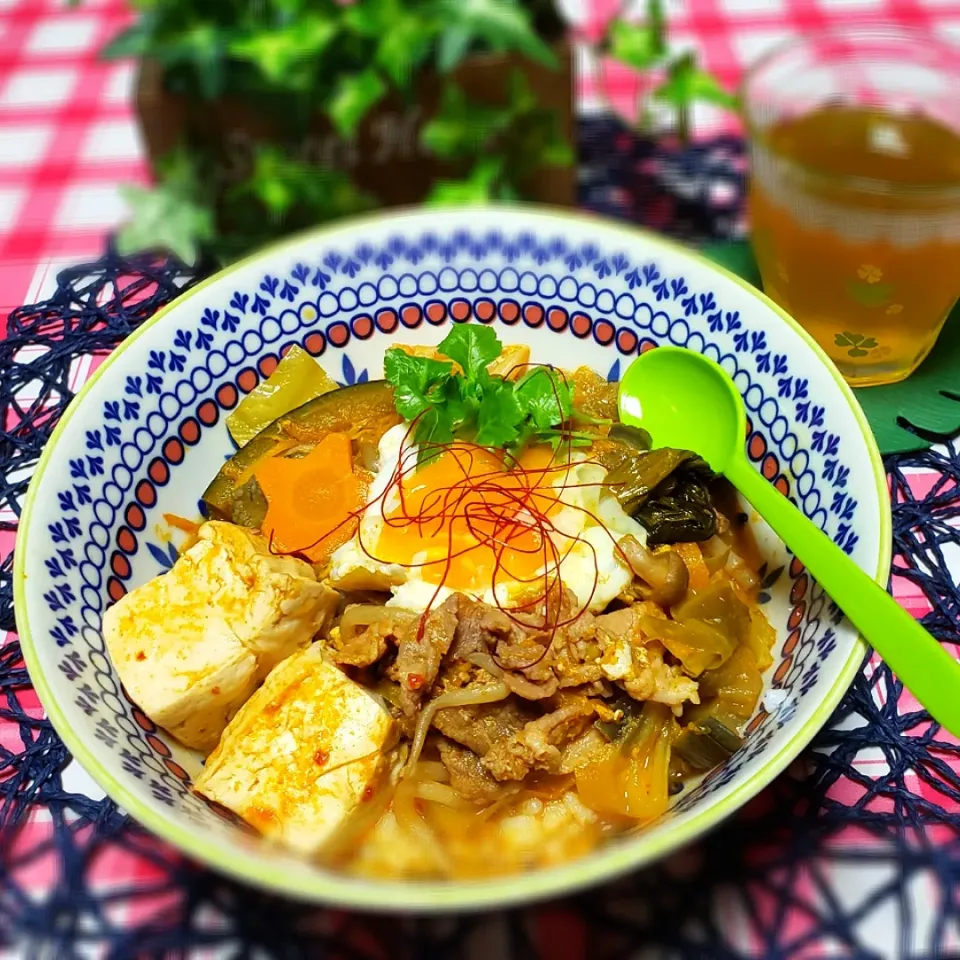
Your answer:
<point x="473" y="521"/>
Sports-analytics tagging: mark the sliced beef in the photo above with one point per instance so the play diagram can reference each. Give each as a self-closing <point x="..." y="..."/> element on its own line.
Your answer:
<point x="481" y="726"/>
<point x="362" y="651"/>
<point x="517" y="683"/>
<point x="536" y="746"/>
<point x="480" y="628"/>
<point x="556" y="648"/>
<point x="580" y="674"/>
<point x="421" y="653"/>
<point x="521" y="654"/>
<point x="467" y="775"/>
<point x="652" y="679"/>
<point x="368" y="630"/>
<point x="620" y="623"/>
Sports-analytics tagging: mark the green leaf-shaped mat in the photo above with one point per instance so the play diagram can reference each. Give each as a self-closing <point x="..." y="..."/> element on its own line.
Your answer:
<point x="928" y="401"/>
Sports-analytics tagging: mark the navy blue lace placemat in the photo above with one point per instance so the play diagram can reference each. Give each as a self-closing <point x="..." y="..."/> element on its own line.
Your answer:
<point x="855" y="852"/>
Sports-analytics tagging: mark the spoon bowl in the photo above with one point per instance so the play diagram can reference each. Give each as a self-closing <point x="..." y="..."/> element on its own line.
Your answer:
<point x="663" y="389"/>
<point x="683" y="399"/>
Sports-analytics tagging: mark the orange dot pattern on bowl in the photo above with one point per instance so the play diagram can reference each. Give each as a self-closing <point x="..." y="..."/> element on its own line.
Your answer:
<point x="207" y="413"/>
<point x="120" y="565"/>
<point x="315" y="343"/>
<point x="190" y="430"/>
<point x="362" y="326"/>
<point x="460" y="310"/>
<point x="115" y="589"/>
<point x="436" y="312"/>
<point x="173" y="451"/>
<point x="227" y="396"/>
<point x="485" y="310"/>
<point x="158" y="471"/>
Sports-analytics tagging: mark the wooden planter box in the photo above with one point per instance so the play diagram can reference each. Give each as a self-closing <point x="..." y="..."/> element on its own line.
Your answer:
<point x="385" y="157"/>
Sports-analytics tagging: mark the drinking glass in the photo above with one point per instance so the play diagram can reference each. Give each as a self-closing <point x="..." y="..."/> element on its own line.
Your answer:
<point x="855" y="192"/>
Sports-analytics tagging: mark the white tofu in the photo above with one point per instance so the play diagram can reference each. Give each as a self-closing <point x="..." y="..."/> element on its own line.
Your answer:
<point x="273" y="604"/>
<point x="191" y="645"/>
<point x="183" y="665"/>
<point x="302" y="755"/>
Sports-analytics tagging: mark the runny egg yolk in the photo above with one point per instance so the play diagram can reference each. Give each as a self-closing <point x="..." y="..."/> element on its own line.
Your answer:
<point x="471" y="520"/>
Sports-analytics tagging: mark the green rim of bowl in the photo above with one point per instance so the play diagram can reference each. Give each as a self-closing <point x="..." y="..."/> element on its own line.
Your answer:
<point x="414" y="896"/>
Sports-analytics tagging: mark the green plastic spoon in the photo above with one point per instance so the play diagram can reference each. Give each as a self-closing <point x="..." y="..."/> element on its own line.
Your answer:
<point x="686" y="400"/>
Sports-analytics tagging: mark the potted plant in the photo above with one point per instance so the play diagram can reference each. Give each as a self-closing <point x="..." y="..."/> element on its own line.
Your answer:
<point x="261" y="117"/>
<point x="648" y="168"/>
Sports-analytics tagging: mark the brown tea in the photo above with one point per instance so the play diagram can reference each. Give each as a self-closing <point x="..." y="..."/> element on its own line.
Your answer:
<point x="856" y="232"/>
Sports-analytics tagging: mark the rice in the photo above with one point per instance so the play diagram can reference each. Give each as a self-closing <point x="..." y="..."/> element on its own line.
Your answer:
<point x="532" y="833"/>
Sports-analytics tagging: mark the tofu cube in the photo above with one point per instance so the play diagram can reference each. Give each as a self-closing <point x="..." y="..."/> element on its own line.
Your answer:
<point x="191" y="645"/>
<point x="273" y="604"/>
<point x="305" y="753"/>
<point x="184" y="666"/>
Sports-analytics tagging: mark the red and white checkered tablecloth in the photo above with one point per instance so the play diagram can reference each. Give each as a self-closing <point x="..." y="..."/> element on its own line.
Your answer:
<point x="68" y="137"/>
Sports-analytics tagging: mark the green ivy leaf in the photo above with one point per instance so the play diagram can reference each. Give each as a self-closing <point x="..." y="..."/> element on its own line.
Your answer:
<point x="499" y="25"/>
<point x="202" y="48"/>
<point x="282" y="53"/>
<point x="558" y="154"/>
<point x="164" y="217"/>
<point x="135" y="41"/>
<point x="686" y="83"/>
<point x="404" y="47"/>
<point x="478" y="187"/>
<point x="638" y="45"/>
<point x="353" y="98"/>
<point x="462" y="127"/>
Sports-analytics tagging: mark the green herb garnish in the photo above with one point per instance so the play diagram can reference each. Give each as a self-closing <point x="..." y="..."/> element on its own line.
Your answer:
<point x="470" y="404"/>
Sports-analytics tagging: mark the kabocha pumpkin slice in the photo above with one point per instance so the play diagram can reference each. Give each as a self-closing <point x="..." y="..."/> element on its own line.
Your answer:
<point x="297" y="380"/>
<point x="363" y="412"/>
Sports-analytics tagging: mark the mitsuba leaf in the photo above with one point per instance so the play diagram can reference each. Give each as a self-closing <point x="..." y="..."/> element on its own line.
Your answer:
<point x="417" y="381"/>
<point x="472" y="346"/>
<point x="499" y="416"/>
<point x="545" y="397"/>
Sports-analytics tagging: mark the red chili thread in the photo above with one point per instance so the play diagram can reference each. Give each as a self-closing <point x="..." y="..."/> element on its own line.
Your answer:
<point x="509" y="521"/>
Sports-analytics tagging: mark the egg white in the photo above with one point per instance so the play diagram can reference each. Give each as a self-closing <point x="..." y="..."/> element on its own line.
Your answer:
<point x="580" y="565"/>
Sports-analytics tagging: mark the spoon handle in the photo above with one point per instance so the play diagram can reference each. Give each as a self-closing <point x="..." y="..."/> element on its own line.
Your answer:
<point x="915" y="656"/>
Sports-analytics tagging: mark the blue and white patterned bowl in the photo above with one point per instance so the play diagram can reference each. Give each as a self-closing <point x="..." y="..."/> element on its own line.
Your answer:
<point x="147" y="433"/>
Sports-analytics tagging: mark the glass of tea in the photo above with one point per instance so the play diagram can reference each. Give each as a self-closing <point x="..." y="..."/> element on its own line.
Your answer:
<point x="855" y="192"/>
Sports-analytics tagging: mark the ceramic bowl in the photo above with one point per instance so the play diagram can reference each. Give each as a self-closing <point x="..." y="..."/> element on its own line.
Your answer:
<point x="147" y="433"/>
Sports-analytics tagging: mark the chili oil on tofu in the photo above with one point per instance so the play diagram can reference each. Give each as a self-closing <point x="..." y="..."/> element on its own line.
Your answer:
<point x="454" y="623"/>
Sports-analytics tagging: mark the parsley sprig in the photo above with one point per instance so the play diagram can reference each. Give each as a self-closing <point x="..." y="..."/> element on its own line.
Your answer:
<point x="471" y="404"/>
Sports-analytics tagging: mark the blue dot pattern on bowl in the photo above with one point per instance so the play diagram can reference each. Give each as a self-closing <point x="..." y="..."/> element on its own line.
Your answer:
<point x="434" y="279"/>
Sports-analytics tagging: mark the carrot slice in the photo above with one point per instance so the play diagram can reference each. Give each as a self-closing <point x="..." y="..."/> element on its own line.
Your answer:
<point x="311" y="500"/>
<point x="697" y="568"/>
<point x="181" y="523"/>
